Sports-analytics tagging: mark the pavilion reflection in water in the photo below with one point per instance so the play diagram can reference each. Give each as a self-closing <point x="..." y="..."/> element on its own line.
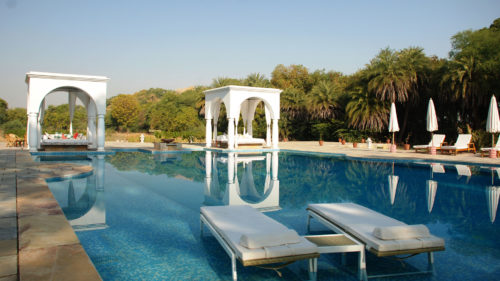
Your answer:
<point x="241" y="191"/>
<point x="83" y="200"/>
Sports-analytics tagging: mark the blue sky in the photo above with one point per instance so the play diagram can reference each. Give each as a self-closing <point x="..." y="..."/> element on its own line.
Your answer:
<point x="176" y="44"/>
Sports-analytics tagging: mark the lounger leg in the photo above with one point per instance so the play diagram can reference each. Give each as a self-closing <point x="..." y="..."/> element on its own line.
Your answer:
<point x="313" y="268"/>
<point x="343" y="259"/>
<point x="362" y="266"/>
<point x="201" y="228"/>
<point x="233" y="267"/>
<point x="430" y="259"/>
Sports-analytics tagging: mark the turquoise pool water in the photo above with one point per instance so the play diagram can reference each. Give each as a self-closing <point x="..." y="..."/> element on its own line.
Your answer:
<point x="137" y="215"/>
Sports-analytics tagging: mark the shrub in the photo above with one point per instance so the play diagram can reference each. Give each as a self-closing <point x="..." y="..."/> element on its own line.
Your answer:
<point x="14" y="127"/>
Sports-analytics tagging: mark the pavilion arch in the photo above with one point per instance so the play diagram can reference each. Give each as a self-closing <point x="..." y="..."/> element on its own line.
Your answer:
<point x="90" y="90"/>
<point x="244" y="100"/>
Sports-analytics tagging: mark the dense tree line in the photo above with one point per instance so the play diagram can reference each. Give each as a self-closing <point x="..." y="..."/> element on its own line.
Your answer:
<point x="328" y="104"/>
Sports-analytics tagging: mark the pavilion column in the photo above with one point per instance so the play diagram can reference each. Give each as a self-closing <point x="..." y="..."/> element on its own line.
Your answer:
<point x="230" y="133"/>
<point x="268" y="134"/>
<point x="33" y="131"/>
<point x="208" y="133"/>
<point x="91" y="131"/>
<point x="214" y="136"/>
<point x="39" y="131"/>
<point x="100" y="132"/>
<point x="275" y="133"/>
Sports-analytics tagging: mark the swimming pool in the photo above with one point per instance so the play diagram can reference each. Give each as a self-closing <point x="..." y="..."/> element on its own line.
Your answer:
<point x="137" y="215"/>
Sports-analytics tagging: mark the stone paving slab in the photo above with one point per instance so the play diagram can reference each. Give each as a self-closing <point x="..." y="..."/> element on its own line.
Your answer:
<point x="68" y="262"/>
<point x="8" y="247"/>
<point x="8" y="265"/>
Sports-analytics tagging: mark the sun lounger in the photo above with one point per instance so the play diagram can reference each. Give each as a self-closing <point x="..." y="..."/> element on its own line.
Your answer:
<point x="463" y="143"/>
<point x="382" y="235"/>
<point x="255" y="239"/>
<point x="486" y="150"/>
<point x="437" y="140"/>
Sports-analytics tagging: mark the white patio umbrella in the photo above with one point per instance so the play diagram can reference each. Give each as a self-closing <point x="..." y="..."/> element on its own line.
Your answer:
<point x="493" y="121"/>
<point x="432" y="124"/>
<point x="492" y="196"/>
<point x="393" y="124"/>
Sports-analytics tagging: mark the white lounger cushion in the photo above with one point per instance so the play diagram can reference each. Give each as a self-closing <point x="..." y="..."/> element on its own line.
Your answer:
<point x="231" y="222"/>
<point x="361" y="222"/>
<point x="269" y="239"/>
<point x="401" y="232"/>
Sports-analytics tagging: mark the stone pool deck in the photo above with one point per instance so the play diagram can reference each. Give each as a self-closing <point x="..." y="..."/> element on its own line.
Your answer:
<point x="38" y="243"/>
<point x="36" y="240"/>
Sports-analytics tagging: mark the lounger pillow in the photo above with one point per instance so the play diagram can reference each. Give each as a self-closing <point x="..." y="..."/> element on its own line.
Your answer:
<point x="401" y="232"/>
<point x="269" y="239"/>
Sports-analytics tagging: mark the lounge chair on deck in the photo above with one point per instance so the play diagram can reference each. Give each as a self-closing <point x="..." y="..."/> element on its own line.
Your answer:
<point x="437" y="139"/>
<point x="382" y="235"/>
<point x="255" y="239"/>
<point x="463" y="143"/>
<point x="486" y="150"/>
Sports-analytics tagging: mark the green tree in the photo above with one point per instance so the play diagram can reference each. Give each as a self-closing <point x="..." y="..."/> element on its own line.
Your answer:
<point x="323" y="102"/>
<point x="366" y="112"/>
<point x="3" y="111"/>
<point x="386" y="78"/>
<point x="124" y="109"/>
<point x="17" y="113"/>
<point x="56" y="119"/>
<point x="293" y="76"/>
<point x="225" y="81"/>
<point x="257" y="80"/>
<point x="14" y="127"/>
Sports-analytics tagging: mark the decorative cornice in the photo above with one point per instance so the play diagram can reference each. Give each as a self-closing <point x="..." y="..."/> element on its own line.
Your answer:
<point x="61" y="76"/>
<point x="241" y="89"/>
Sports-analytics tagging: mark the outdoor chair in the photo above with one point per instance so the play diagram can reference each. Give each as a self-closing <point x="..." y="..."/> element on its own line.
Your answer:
<point x="437" y="139"/>
<point x="382" y="235"/>
<point x="463" y="143"/>
<point x="255" y="239"/>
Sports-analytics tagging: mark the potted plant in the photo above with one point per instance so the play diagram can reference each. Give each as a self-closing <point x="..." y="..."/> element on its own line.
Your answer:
<point x="407" y="142"/>
<point x="320" y="129"/>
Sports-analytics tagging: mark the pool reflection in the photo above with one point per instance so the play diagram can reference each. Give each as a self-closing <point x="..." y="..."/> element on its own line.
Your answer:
<point x="243" y="189"/>
<point x="83" y="199"/>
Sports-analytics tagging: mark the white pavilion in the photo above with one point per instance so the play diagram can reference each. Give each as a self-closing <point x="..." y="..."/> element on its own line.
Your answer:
<point x="244" y="100"/>
<point x="90" y="90"/>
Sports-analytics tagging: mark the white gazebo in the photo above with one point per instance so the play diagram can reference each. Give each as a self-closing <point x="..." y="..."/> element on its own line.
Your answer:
<point x="90" y="90"/>
<point x="244" y="100"/>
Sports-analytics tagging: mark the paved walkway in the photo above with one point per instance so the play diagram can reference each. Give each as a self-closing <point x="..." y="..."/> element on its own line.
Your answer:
<point x="37" y="242"/>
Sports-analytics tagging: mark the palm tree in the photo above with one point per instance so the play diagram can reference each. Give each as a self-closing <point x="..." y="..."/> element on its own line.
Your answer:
<point x="397" y="76"/>
<point x="463" y="79"/>
<point x="366" y="112"/>
<point x="323" y="101"/>
<point x="292" y="102"/>
<point x="386" y="78"/>
<point x="225" y="81"/>
<point x="257" y="80"/>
